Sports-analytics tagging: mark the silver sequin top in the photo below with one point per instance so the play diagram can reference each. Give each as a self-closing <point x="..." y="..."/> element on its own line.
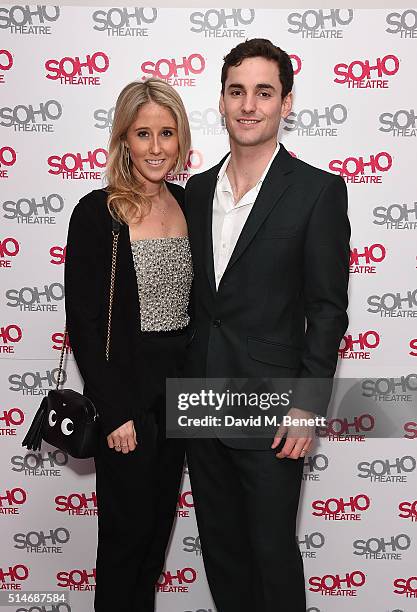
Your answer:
<point x="164" y="272"/>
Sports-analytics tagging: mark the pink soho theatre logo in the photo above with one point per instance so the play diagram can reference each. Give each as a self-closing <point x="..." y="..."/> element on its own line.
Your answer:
<point x="400" y="304"/>
<point x="8" y="158"/>
<point x="77" y="579"/>
<point x="193" y="162"/>
<point x="316" y="122"/>
<point x="185" y="504"/>
<point x="360" y="345"/>
<point x="341" y="509"/>
<point x="337" y="585"/>
<point x="40" y="464"/>
<point x="9" y="248"/>
<point x="12" y="578"/>
<point x="399" y="124"/>
<point x="367" y="73"/>
<point x="41" y="542"/>
<point x="35" y="383"/>
<point x="410" y="430"/>
<point x="297" y="63"/>
<point x="365" y="260"/>
<point x="413" y="347"/>
<point x="10" y="419"/>
<point x="36" y="299"/>
<point x="404" y="24"/>
<point x="400" y="389"/>
<point x="58" y="254"/>
<point x="222" y="23"/>
<point x="387" y="549"/>
<point x="77" y="504"/>
<point x="27" y="19"/>
<point x="178" y="72"/>
<point x="78" y="166"/>
<point x="10" y="336"/>
<point x="40" y="210"/>
<point x="176" y="581"/>
<point x="12" y="500"/>
<point x="31" y="118"/>
<point x="310" y="544"/>
<point x="408" y="510"/>
<point x="342" y="430"/>
<point x="6" y="63"/>
<point x="361" y="169"/>
<point x="407" y="587"/>
<point x="396" y="216"/>
<point x="387" y="470"/>
<point x="104" y="118"/>
<point x="314" y="465"/>
<point x="320" y="23"/>
<point x="57" y="340"/>
<point x="122" y="21"/>
<point x="208" y="122"/>
<point x="78" y="71"/>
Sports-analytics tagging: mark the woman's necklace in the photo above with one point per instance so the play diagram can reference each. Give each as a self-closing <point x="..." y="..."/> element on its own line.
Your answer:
<point x="162" y="210"/>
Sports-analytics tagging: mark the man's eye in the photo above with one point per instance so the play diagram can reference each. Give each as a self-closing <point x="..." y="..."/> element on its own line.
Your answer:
<point x="236" y="92"/>
<point x="264" y="94"/>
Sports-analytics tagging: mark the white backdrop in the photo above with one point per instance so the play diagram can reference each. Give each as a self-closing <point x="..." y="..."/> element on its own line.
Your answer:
<point x="61" y="69"/>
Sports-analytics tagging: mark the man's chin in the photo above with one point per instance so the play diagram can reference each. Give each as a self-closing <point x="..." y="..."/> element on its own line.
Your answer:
<point x="247" y="140"/>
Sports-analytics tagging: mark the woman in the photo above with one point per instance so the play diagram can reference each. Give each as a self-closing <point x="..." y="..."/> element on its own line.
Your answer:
<point x="138" y="471"/>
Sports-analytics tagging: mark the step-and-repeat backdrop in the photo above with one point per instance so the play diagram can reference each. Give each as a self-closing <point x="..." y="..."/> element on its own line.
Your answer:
<point x="355" y="115"/>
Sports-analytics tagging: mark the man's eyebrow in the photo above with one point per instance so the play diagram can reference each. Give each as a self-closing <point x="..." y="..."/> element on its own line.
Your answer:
<point x="257" y="86"/>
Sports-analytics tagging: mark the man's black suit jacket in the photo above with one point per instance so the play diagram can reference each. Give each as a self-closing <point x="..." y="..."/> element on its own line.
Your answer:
<point x="112" y="385"/>
<point x="280" y="308"/>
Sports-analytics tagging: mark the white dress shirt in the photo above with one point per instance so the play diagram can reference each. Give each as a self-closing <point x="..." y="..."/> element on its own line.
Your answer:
<point x="230" y="217"/>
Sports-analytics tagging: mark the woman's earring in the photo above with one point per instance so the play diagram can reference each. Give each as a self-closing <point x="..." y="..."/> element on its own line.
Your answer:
<point x="126" y="154"/>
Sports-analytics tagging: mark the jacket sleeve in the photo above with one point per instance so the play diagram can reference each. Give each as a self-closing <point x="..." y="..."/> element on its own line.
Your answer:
<point x="85" y="291"/>
<point x="326" y="277"/>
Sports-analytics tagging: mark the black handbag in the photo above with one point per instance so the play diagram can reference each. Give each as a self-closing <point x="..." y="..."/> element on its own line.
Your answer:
<point x="67" y="419"/>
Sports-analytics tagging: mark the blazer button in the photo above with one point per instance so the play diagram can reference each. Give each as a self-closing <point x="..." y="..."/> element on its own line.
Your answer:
<point x="217" y="323"/>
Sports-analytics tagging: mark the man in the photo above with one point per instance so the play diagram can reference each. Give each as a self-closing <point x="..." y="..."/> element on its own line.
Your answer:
<point x="269" y="237"/>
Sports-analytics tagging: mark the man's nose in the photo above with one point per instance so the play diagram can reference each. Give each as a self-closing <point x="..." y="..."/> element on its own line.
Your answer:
<point x="249" y="103"/>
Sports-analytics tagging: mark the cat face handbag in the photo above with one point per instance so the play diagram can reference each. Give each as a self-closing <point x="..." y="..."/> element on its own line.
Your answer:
<point x="67" y="419"/>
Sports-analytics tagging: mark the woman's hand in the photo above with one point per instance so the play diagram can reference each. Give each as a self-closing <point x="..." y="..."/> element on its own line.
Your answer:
<point x="123" y="438"/>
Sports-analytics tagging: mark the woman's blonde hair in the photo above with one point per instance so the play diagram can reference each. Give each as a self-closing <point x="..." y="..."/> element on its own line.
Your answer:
<point x="126" y="195"/>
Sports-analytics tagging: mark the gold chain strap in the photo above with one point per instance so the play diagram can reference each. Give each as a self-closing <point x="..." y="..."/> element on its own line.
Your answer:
<point x="61" y="358"/>
<point x="112" y="279"/>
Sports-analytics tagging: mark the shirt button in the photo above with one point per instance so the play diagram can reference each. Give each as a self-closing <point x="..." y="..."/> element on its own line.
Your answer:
<point x="217" y="323"/>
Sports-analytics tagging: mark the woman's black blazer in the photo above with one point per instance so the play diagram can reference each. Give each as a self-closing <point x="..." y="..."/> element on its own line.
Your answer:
<point x="112" y="386"/>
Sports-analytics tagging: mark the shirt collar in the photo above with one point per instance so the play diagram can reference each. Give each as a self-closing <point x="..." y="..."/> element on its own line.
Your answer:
<point x="223" y="180"/>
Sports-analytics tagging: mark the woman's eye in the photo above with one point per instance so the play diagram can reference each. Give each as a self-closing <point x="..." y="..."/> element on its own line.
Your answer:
<point x="142" y="134"/>
<point x="52" y="418"/>
<point x="67" y="427"/>
<point x="167" y="133"/>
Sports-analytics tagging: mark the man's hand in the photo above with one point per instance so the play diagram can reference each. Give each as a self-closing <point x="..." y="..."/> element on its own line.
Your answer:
<point x="299" y="438"/>
<point x="123" y="438"/>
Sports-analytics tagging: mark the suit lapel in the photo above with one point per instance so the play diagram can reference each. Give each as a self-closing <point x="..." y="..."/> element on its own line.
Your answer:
<point x="208" y="189"/>
<point x="276" y="183"/>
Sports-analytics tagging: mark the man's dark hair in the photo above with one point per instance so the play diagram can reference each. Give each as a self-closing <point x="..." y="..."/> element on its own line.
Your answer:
<point x="261" y="47"/>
